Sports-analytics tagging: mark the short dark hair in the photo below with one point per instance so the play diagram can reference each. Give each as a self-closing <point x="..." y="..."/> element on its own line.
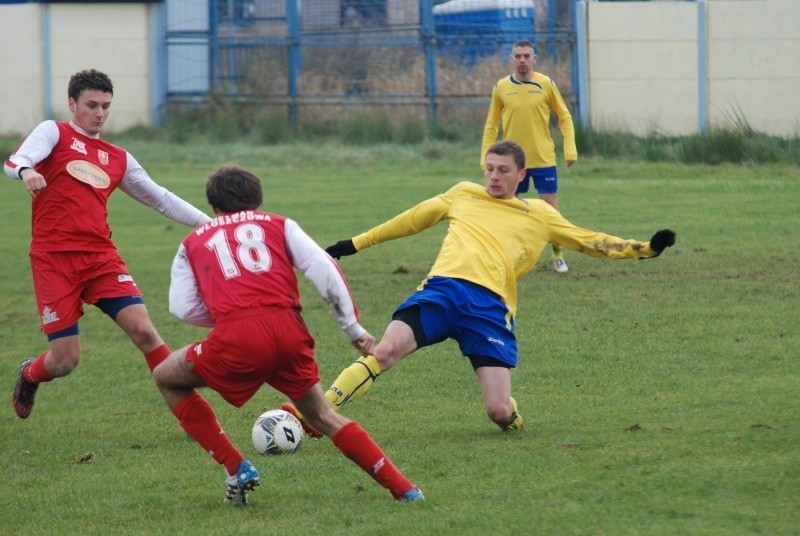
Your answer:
<point x="233" y="189"/>
<point x="509" y="147"/>
<point x="524" y="43"/>
<point x="89" y="79"/>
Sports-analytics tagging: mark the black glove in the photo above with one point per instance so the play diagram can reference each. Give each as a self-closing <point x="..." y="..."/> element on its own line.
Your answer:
<point x="662" y="240"/>
<point x="341" y="248"/>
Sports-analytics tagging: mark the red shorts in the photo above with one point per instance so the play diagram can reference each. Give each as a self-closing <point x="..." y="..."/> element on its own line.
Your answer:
<point x="64" y="280"/>
<point x="241" y="354"/>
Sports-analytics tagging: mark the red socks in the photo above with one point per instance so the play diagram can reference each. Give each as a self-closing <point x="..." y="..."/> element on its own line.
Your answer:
<point x="155" y="357"/>
<point x="356" y="444"/>
<point x="198" y="419"/>
<point x="36" y="373"/>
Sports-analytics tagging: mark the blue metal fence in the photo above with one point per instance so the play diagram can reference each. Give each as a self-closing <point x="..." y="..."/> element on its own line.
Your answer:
<point x="421" y="53"/>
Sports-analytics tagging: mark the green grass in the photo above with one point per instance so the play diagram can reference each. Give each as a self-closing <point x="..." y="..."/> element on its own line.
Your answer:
<point x="661" y="396"/>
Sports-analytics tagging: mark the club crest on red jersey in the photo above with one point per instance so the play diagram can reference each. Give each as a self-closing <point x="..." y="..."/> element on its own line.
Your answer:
<point x="78" y="145"/>
<point x="102" y="156"/>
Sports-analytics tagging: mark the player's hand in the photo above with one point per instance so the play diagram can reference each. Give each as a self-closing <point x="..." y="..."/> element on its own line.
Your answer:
<point x="662" y="240"/>
<point x="365" y="344"/>
<point x="342" y="248"/>
<point x="570" y="162"/>
<point x="34" y="182"/>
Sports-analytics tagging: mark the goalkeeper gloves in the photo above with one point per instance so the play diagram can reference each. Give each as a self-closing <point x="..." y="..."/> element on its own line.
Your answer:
<point x="341" y="248"/>
<point x="661" y="240"/>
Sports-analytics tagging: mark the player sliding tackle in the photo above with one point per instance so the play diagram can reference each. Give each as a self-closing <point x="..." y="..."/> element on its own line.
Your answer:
<point x="470" y="293"/>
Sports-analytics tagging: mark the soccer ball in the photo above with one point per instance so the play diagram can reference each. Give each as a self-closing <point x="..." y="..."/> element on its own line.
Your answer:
<point x="277" y="432"/>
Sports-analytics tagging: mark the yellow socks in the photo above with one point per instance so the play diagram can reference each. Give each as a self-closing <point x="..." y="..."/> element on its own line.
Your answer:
<point x="353" y="381"/>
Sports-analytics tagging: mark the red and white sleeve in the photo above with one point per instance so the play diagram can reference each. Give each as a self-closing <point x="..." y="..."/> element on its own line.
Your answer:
<point x="324" y="273"/>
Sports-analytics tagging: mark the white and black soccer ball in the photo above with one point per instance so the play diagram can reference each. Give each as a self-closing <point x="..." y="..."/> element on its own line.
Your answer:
<point x="277" y="432"/>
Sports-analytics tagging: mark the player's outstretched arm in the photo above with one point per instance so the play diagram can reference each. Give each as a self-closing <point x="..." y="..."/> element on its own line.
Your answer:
<point x="662" y="240"/>
<point x="412" y="221"/>
<point x="342" y="248"/>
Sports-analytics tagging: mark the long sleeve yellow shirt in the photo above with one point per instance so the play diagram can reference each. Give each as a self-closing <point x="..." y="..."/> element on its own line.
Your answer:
<point x="523" y="109"/>
<point x="493" y="242"/>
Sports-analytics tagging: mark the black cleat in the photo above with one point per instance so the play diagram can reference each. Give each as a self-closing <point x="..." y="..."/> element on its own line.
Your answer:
<point x="24" y="393"/>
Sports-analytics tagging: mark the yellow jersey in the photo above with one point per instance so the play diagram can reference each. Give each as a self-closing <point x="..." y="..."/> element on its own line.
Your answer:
<point x="523" y="109"/>
<point x="493" y="242"/>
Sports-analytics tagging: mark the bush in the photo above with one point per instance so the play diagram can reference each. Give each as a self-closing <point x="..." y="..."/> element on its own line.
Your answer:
<point x="735" y="142"/>
<point x="411" y="131"/>
<point x="729" y="144"/>
<point x="273" y="127"/>
<point x="366" y="128"/>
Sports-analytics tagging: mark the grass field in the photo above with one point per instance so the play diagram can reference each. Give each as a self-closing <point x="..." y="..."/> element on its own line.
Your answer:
<point x="661" y="396"/>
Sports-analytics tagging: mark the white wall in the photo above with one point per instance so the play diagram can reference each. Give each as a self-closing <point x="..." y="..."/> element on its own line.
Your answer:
<point x="21" y="68"/>
<point x="113" y="38"/>
<point x="643" y="60"/>
<point x="643" y="66"/>
<point x="754" y="63"/>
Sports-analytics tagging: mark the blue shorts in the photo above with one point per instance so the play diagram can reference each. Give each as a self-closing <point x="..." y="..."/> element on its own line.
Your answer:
<point x="470" y="314"/>
<point x="545" y="180"/>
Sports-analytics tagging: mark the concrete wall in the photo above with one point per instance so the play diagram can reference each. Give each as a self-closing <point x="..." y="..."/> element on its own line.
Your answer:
<point x="63" y="39"/>
<point x="21" y="71"/>
<point x="644" y="60"/>
<point x="754" y="63"/>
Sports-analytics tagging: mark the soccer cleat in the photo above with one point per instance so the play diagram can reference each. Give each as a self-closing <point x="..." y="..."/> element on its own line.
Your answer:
<point x="560" y="266"/>
<point x="237" y="486"/>
<point x="24" y="393"/>
<point x="233" y="495"/>
<point x="307" y="428"/>
<point x="516" y="422"/>
<point x="414" y="494"/>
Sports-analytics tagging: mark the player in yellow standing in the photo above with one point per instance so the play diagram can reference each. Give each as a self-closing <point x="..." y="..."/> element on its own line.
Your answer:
<point x="522" y="103"/>
<point x="470" y="294"/>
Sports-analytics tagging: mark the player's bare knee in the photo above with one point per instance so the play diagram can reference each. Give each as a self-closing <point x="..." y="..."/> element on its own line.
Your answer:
<point x="144" y="336"/>
<point x="387" y="355"/>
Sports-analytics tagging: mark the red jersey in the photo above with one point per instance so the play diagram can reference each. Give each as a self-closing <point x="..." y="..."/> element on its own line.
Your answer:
<point x="81" y="172"/>
<point x="71" y="213"/>
<point x="240" y="262"/>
